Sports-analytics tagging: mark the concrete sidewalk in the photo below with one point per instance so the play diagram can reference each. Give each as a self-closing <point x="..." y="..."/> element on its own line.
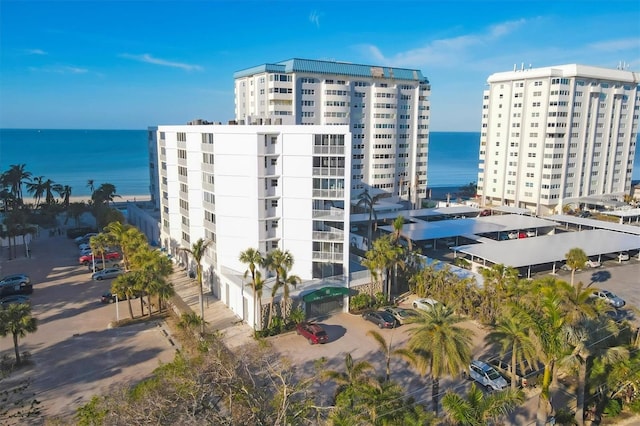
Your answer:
<point x="235" y="333"/>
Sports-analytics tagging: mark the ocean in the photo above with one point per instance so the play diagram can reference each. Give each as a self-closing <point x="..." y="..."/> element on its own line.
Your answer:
<point x="72" y="157"/>
<point x="120" y="157"/>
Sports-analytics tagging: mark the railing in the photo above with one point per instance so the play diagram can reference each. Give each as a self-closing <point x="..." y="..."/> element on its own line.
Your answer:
<point x="326" y="171"/>
<point x="328" y="236"/>
<point x="328" y="150"/>
<point x="328" y="193"/>
<point x="337" y="214"/>
<point x="332" y="257"/>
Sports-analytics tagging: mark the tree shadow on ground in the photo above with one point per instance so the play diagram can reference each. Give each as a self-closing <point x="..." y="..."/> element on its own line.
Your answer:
<point x="600" y="277"/>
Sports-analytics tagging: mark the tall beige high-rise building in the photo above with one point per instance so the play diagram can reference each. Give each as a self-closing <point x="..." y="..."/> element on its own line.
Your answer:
<point x="387" y="110"/>
<point x="558" y="135"/>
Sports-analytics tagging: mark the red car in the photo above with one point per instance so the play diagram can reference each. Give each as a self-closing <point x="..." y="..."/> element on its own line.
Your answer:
<point x="88" y="259"/>
<point x="312" y="332"/>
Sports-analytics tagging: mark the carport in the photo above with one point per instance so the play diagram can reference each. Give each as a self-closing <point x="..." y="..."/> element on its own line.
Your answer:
<point x="454" y="228"/>
<point x="580" y="223"/>
<point x="324" y="301"/>
<point x="527" y="252"/>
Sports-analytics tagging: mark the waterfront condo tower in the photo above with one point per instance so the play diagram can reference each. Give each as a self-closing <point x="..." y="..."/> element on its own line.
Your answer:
<point x="556" y="136"/>
<point x="257" y="186"/>
<point x="386" y="109"/>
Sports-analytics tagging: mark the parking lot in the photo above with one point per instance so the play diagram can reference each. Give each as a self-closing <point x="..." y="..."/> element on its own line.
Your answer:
<point x="75" y="355"/>
<point x="348" y="334"/>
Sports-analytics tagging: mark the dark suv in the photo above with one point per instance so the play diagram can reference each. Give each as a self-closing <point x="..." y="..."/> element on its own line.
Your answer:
<point x="15" y="284"/>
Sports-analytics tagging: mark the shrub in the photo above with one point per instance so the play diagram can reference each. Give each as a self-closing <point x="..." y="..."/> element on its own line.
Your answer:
<point x="360" y="301"/>
<point x="380" y="299"/>
<point x="613" y="408"/>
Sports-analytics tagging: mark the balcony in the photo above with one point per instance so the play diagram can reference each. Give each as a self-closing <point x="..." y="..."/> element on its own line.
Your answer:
<point x="327" y="257"/>
<point x="337" y="235"/>
<point x="333" y="214"/>
<point x="326" y="171"/>
<point x="328" y="193"/>
<point x="326" y="149"/>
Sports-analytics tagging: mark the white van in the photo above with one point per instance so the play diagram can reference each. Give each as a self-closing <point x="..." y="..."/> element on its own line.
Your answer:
<point x="487" y="376"/>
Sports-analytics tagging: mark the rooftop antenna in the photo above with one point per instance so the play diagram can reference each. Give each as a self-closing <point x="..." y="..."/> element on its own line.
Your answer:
<point x="522" y="67"/>
<point x="515" y="67"/>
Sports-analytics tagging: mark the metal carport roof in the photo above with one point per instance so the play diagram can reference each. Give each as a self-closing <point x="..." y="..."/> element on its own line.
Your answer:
<point x="551" y="248"/>
<point x="479" y="225"/>
<point x="594" y="223"/>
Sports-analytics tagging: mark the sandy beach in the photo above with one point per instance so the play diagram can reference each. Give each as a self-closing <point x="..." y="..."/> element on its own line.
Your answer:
<point x="120" y="199"/>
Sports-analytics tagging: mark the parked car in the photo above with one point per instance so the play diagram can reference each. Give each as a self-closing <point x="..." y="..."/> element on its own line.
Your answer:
<point x="513" y="235"/>
<point x="381" y="318"/>
<point x="585" y="214"/>
<point x="313" y="332"/>
<point x="85" y="238"/>
<point x="522" y="234"/>
<point x="487" y="376"/>
<point x="401" y="315"/>
<point x="593" y="263"/>
<point x="531" y="233"/>
<point x="106" y="274"/>
<point x="113" y="263"/>
<point x="88" y="259"/>
<point x="85" y="251"/>
<point x="527" y="377"/>
<point x="485" y="212"/>
<point x="15" y="284"/>
<point x="14" y="299"/>
<point x="79" y="231"/>
<point x="609" y="297"/>
<point x="425" y="303"/>
<point x="109" y="297"/>
<point x="623" y="256"/>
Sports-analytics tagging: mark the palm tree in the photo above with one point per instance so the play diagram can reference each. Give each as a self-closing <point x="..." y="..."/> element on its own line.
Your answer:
<point x="386" y="350"/>
<point x="286" y="282"/>
<point x="355" y="374"/>
<point x="65" y="193"/>
<point x="100" y="244"/>
<point x="90" y="185"/>
<point x="152" y="268"/>
<point x="513" y="336"/>
<point x="15" y="177"/>
<point x="198" y="251"/>
<point x="381" y="259"/>
<point x="590" y="339"/>
<point x="16" y="320"/>
<point x="576" y="259"/>
<point x="543" y="314"/>
<point x="127" y="237"/>
<point x="397" y="234"/>
<point x="104" y="194"/>
<point x="125" y="285"/>
<point x="36" y="188"/>
<point x="50" y="187"/>
<point x="366" y="201"/>
<point x="478" y="409"/>
<point x="279" y="262"/>
<point x="253" y="259"/>
<point x="437" y="341"/>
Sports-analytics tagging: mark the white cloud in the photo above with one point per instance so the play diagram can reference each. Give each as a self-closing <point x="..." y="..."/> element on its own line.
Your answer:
<point x="314" y="17"/>
<point x="34" y="52"/>
<point x="60" y="69"/>
<point x="162" y="62"/>
<point x="448" y="51"/>
<point x="617" y="45"/>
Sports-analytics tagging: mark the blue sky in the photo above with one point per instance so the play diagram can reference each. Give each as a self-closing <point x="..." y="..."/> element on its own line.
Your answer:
<point x="128" y="65"/>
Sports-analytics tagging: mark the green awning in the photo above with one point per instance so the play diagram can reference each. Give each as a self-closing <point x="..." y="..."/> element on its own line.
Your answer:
<point x="325" y="293"/>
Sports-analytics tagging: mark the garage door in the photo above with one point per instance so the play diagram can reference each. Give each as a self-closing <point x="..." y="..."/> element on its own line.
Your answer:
<point x="324" y="306"/>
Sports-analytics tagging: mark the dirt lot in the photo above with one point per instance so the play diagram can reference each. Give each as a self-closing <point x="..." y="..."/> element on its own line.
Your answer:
<point x="74" y="353"/>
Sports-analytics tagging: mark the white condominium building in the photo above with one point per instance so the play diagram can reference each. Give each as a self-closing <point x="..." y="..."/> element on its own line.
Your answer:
<point x="255" y="186"/>
<point x="553" y="136"/>
<point x="386" y="109"/>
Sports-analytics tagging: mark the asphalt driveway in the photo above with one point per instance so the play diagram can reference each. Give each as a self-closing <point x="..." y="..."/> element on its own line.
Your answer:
<point x="75" y="355"/>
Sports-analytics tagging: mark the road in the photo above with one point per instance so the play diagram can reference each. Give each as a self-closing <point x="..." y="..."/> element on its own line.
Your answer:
<point x="74" y="352"/>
